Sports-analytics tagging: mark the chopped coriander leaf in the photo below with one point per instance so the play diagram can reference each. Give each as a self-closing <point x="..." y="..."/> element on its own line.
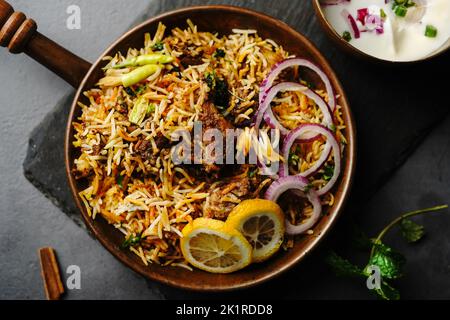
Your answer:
<point x="341" y="266"/>
<point x="219" y="53"/>
<point x="131" y="241"/>
<point x="400" y="11"/>
<point x="430" y="31"/>
<point x="175" y="69"/>
<point x="347" y="36"/>
<point x="158" y="46"/>
<point x="119" y="180"/>
<point x="129" y="91"/>
<point x="328" y="172"/>
<point x="140" y="89"/>
<point x="382" y="14"/>
<point x="210" y="79"/>
<point x="252" y="173"/>
<point x="293" y="158"/>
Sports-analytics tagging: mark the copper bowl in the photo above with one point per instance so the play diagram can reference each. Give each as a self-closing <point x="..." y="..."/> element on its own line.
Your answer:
<point x="209" y="18"/>
<point x="347" y="47"/>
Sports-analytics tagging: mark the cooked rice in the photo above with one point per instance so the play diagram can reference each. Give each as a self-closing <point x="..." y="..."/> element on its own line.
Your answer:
<point x="154" y="199"/>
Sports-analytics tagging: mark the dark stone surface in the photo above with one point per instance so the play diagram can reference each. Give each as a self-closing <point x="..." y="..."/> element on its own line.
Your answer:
<point x="393" y="111"/>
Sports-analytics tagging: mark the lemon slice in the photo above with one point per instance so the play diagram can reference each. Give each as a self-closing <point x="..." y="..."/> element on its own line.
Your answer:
<point x="262" y="224"/>
<point x="212" y="246"/>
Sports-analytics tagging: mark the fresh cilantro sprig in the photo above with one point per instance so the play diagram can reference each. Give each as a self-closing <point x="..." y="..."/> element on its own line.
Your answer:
<point x="389" y="261"/>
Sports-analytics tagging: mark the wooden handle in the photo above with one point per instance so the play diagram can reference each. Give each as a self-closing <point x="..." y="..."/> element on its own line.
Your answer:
<point x="20" y="34"/>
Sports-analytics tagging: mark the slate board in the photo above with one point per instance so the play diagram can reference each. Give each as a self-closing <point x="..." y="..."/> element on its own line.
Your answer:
<point x="394" y="109"/>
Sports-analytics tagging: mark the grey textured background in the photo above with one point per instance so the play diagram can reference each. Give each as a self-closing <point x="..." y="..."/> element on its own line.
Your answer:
<point x="28" y="220"/>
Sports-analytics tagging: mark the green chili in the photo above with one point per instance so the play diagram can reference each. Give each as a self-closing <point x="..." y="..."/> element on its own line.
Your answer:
<point x="430" y="31"/>
<point x="153" y="58"/>
<point x="139" y="111"/>
<point x="400" y="11"/>
<point x="138" y="74"/>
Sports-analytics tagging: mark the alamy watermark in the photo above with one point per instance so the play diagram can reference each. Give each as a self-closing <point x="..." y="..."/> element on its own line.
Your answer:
<point x="374" y="279"/>
<point x="73" y="21"/>
<point x="74" y="277"/>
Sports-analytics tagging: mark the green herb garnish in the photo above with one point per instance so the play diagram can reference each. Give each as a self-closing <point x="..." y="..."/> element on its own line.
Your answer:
<point x="328" y="172"/>
<point x="219" y="90"/>
<point x="400" y="11"/>
<point x="411" y="231"/>
<point x="382" y="14"/>
<point x="119" y="181"/>
<point x="347" y="36"/>
<point x="219" y="53"/>
<point x="131" y="241"/>
<point x="252" y="173"/>
<point x="430" y="31"/>
<point x="158" y="46"/>
<point x="293" y="158"/>
<point x="389" y="262"/>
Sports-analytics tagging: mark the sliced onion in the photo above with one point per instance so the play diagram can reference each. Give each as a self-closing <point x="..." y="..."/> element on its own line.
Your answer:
<point x="292" y="62"/>
<point x="361" y="15"/>
<point x="374" y="22"/>
<point x="271" y="94"/>
<point x="284" y="168"/>
<point x="272" y="121"/>
<point x="351" y="23"/>
<point x="331" y="140"/>
<point x="278" y="187"/>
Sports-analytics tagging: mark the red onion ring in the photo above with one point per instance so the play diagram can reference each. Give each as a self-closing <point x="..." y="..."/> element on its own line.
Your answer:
<point x="331" y="140"/>
<point x="272" y="121"/>
<point x="292" y="62"/>
<point x="284" y="168"/>
<point x="278" y="187"/>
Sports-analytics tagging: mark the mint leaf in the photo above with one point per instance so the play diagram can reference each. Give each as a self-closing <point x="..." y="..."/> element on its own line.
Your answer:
<point x="389" y="261"/>
<point x="341" y="266"/>
<point x="411" y="231"/>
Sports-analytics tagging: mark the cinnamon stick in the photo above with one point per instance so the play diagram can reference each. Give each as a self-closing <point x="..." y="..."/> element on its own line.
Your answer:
<point x="50" y="274"/>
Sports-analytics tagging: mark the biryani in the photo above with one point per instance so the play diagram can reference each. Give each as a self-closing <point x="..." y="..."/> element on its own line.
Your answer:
<point x="240" y="81"/>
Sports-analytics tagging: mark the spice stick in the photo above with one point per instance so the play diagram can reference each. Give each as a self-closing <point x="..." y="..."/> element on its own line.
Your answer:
<point x="50" y="274"/>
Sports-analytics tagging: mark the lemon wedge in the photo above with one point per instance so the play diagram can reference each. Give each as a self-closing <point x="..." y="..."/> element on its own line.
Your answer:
<point x="210" y="245"/>
<point x="262" y="224"/>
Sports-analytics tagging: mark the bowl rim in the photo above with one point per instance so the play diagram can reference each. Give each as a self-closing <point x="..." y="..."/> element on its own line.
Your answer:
<point x="332" y="33"/>
<point x="346" y="179"/>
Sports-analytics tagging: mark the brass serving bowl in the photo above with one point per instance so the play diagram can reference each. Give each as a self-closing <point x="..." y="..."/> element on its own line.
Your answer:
<point x="84" y="76"/>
